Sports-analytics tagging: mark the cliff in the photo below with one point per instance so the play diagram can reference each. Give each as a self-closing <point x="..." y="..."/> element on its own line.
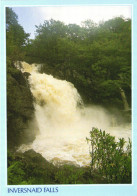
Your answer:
<point x="21" y="124"/>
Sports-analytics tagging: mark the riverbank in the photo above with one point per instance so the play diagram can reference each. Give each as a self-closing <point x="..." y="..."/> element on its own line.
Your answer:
<point x="30" y="168"/>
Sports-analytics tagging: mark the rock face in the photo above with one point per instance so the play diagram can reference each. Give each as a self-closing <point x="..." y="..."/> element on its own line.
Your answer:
<point x="21" y="124"/>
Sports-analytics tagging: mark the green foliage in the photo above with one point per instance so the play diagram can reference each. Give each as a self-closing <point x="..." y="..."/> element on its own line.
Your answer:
<point x="112" y="159"/>
<point x="69" y="175"/>
<point x="15" y="173"/>
<point x="31" y="168"/>
<point x="11" y="18"/>
<point x="95" y="58"/>
<point x="16" y="38"/>
<point x="110" y="164"/>
<point x="20" y="109"/>
<point x="90" y="56"/>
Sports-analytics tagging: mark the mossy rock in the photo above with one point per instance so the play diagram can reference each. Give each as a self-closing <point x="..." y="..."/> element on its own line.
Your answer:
<point x="20" y="109"/>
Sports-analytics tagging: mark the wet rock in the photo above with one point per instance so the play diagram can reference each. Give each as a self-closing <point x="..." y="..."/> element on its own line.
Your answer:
<point x="26" y="75"/>
<point x="20" y="109"/>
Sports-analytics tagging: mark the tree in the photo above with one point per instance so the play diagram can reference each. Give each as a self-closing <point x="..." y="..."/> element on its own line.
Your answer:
<point x="95" y="58"/>
<point x="112" y="159"/>
<point x="16" y="38"/>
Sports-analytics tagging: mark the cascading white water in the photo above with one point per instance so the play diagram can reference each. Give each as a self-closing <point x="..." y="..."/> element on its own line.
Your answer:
<point x="63" y="125"/>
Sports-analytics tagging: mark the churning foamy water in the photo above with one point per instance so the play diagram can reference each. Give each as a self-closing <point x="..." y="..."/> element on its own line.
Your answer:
<point x="63" y="121"/>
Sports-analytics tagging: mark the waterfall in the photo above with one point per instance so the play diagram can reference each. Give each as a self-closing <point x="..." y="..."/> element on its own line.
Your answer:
<point x="125" y="103"/>
<point x="63" y="125"/>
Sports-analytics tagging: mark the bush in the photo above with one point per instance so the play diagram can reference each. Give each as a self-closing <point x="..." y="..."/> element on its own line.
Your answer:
<point x="69" y="174"/>
<point x="16" y="173"/>
<point x="31" y="168"/>
<point x="112" y="159"/>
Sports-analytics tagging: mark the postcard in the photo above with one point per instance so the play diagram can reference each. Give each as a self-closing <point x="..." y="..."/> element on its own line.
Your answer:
<point x="68" y="98"/>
